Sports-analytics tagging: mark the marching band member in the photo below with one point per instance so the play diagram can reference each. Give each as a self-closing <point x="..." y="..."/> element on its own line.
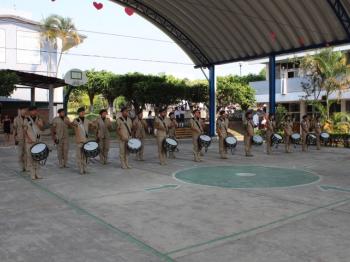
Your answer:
<point x="124" y="126"/>
<point x="162" y="125"/>
<point x="248" y="134"/>
<point x="60" y="136"/>
<point x="103" y="126"/>
<point x="139" y="127"/>
<point x="305" y="127"/>
<point x="19" y="137"/>
<point x="270" y="130"/>
<point x="172" y="131"/>
<point x="318" y="131"/>
<point x="197" y="127"/>
<point x="33" y="126"/>
<point x="81" y="128"/>
<point x="288" y="131"/>
<point x="222" y="129"/>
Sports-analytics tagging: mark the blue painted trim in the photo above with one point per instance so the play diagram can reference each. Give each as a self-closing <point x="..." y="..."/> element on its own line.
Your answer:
<point x="212" y="100"/>
<point x="272" y="84"/>
<point x="340" y="12"/>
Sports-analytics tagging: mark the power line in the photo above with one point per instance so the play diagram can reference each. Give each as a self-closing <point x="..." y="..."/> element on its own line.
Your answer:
<point x="103" y="56"/>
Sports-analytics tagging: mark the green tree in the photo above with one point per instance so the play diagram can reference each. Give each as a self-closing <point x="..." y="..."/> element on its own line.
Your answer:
<point x="57" y="27"/>
<point x="8" y="80"/>
<point x="235" y="89"/>
<point x="327" y="72"/>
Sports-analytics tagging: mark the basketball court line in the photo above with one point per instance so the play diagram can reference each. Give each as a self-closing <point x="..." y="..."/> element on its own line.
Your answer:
<point x="131" y="239"/>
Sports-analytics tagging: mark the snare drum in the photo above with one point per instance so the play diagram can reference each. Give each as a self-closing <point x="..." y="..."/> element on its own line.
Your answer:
<point x="311" y="139"/>
<point x="170" y="144"/>
<point x="324" y="137"/>
<point x="257" y="140"/>
<point x="204" y="141"/>
<point x="134" y="145"/>
<point x="230" y="142"/>
<point x="276" y="139"/>
<point x="91" y="149"/>
<point x="39" y="152"/>
<point x="296" y="138"/>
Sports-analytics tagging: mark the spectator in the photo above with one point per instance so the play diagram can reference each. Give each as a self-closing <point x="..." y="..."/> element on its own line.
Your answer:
<point x="149" y="121"/>
<point x="182" y="117"/>
<point x="256" y="120"/>
<point x="6" y="123"/>
<point x="177" y="114"/>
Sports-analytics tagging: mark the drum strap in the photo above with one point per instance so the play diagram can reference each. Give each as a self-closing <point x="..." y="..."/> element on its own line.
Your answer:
<point x="166" y="128"/>
<point x="33" y="127"/>
<point x="82" y="126"/>
<point x="126" y="125"/>
<point x="199" y="126"/>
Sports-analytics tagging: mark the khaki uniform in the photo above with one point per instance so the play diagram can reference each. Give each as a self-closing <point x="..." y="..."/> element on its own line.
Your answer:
<point x="305" y="127"/>
<point x="270" y="130"/>
<point x="32" y="131"/>
<point x="172" y="133"/>
<point x="197" y="130"/>
<point x="288" y="131"/>
<point x="248" y="136"/>
<point x="222" y="127"/>
<point x="124" y="132"/>
<point x="139" y="132"/>
<point x="318" y="130"/>
<point x="18" y="130"/>
<point x="162" y="126"/>
<point x="81" y="130"/>
<point x="102" y="134"/>
<point x="60" y="133"/>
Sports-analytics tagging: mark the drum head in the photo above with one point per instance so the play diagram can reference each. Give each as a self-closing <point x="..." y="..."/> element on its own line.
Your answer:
<point x="171" y="141"/>
<point x="134" y="143"/>
<point x="38" y="148"/>
<point x="258" y="139"/>
<point x="231" y="140"/>
<point x="296" y="136"/>
<point x="278" y="136"/>
<point x="325" y="135"/>
<point x="205" y="138"/>
<point x="90" y="146"/>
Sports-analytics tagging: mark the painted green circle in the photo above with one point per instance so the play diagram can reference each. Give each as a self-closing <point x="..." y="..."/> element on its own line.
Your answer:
<point x="246" y="176"/>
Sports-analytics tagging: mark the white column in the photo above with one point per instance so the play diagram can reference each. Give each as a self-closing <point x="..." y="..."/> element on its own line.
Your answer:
<point x="51" y="96"/>
<point x="343" y="106"/>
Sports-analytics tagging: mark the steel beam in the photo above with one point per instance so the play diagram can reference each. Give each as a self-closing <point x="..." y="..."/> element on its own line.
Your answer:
<point x="342" y="15"/>
<point x="212" y="101"/>
<point x="272" y="84"/>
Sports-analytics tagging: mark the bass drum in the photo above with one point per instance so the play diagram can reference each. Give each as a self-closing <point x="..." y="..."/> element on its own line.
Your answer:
<point x="230" y="142"/>
<point x="257" y="140"/>
<point x="296" y="138"/>
<point x="170" y="144"/>
<point x="134" y="145"/>
<point x="39" y="152"/>
<point x="204" y="141"/>
<point x="311" y="139"/>
<point x="276" y="139"/>
<point x="91" y="149"/>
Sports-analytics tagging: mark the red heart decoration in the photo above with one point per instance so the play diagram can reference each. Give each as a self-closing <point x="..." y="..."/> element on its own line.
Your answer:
<point x="98" y="6"/>
<point x="273" y="36"/>
<point x="129" y="11"/>
<point x="301" y="40"/>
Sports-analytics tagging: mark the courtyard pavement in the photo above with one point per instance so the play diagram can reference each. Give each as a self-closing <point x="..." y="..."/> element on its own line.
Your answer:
<point x="144" y="214"/>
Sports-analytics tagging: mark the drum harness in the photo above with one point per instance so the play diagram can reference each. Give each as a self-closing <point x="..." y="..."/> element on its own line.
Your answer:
<point x="36" y="133"/>
<point x="167" y="132"/>
<point x="227" y="135"/>
<point x="81" y="126"/>
<point x="202" y="132"/>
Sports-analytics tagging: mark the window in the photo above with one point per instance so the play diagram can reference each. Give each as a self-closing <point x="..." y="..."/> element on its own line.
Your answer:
<point x="2" y="46"/>
<point x="348" y="106"/>
<point x="28" y="47"/>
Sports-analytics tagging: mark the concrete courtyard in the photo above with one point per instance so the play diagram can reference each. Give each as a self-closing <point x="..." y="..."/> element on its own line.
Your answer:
<point x="145" y="214"/>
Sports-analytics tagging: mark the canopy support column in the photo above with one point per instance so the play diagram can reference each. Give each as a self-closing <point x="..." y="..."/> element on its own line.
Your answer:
<point x="32" y="96"/>
<point x="272" y="84"/>
<point x="51" y="97"/>
<point x="212" y="100"/>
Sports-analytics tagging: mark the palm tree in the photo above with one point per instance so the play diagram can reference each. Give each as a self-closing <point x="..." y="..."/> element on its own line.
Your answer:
<point x="328" y="72"/>
<point x="57" y="27"/>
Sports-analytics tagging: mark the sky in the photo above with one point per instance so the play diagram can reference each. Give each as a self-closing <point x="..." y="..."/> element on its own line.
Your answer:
<point x="112" y="19"/>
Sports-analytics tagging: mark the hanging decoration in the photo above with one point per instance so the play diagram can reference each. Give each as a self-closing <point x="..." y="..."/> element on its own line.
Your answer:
<point x="301" y="40"/>
<point x="129" y="11"/>
<point x="273" y="36"/>
<point x="98" y="6"/>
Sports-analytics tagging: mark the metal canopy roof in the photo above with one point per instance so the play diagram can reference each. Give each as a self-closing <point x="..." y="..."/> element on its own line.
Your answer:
<point x="222" y="31"/>
<point x="35" y="80"/>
